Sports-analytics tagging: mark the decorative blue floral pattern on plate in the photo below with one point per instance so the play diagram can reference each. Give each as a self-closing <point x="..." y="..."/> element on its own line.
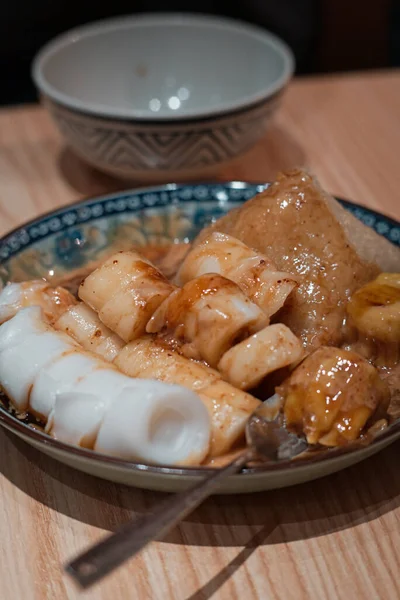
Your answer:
<point x="74" y="236"/>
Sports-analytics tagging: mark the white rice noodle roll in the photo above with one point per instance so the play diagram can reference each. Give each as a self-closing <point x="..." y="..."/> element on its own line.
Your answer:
<point x="53" y="301"/>
<point x="86" y="401"/>
<point x="84" y="326"/>
<point x="228" y="407"/>
<point x="125" y="291"/>
<point x="208" y="316"/>
<point x="140" y="420"/>
<point x="248" y="363"/>
<point x="59" y="376"/>
<point x="228" y="256"/>
<point x="149" y="357"/>
<point x="27" y="345"/>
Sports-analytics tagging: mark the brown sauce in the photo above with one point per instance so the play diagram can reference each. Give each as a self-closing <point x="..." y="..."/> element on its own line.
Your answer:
<point x="25" y="417"/>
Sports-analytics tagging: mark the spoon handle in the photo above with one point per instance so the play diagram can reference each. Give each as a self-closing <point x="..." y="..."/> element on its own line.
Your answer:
<point x="131" y="538"/>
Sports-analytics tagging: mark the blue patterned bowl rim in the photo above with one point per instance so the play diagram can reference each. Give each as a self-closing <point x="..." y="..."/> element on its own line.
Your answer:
<point x="87" y="210"/>
<point x="131" y="201"/>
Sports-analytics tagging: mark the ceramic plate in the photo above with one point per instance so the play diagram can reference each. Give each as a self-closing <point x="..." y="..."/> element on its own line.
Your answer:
<point x="60" y="242"/>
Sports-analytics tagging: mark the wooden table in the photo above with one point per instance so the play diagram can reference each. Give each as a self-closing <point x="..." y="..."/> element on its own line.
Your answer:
<point x="335" y="538"/>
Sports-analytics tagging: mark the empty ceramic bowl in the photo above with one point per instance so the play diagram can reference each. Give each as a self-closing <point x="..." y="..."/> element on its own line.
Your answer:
<point x="162" y="96"/>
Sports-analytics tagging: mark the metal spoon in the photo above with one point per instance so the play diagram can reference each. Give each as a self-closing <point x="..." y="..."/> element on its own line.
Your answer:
<point x="266" y="439"/>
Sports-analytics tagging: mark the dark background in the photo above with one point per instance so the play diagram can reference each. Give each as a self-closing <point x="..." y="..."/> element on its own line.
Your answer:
<point x="326" y="35"/>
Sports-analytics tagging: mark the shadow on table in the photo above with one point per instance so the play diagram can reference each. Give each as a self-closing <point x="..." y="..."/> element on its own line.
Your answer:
<point x="349" y="498"/>
<point x="86" y="179"/>
<point x="278" y="151"/>
<point x="358" y="494"/>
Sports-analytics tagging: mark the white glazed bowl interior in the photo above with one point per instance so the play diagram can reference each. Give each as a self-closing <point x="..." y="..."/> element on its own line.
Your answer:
<point x="163" y="67"/>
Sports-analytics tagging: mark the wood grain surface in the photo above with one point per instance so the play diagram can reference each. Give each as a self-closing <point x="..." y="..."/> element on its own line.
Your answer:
<point x="336" y="538"/>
